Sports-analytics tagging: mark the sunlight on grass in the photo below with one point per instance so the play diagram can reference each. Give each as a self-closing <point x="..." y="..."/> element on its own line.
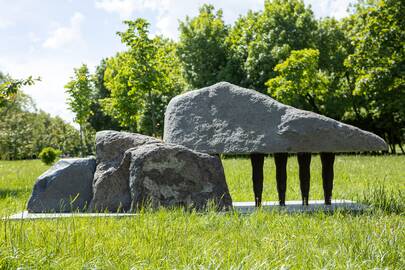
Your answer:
<point x="168" y="239"/>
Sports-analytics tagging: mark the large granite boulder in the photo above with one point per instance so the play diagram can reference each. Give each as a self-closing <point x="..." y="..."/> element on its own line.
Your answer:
<point x="65" y="187"/>
<point x="225" y="118"/>
<point x="110" y="184"/>
<point x="171" y="175"/>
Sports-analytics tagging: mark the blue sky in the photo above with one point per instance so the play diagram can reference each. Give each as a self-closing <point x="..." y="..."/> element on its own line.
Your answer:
<point x="48" y="38"/>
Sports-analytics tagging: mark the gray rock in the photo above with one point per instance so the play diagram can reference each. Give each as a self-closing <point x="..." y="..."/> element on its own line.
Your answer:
<point x="110" y="184"/>
<point x="171" y="175"/>
<point x="225" y="118"/>
<point x="65" y="187"/>
<point x="111" y="145"/>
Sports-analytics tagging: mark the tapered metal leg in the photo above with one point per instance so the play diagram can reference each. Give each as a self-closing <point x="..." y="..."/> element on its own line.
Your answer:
<point x="327" y="160"/>
<point x="280" y="160"/>
<point x="304" y="163"/>
<point x="257" y="161"/>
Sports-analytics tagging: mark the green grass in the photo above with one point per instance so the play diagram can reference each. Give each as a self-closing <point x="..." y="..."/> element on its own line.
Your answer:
<point x="175" y="239"/>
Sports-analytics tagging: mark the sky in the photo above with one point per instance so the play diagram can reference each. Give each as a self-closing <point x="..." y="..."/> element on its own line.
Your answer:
<point x="49" y="38"/>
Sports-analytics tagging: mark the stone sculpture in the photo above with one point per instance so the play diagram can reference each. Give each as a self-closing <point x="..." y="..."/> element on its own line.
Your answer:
<point x="172" y="175"/>
<point x="110" y="184"/>
<point x="131" y="169"/>
<point x="225" y="118"/>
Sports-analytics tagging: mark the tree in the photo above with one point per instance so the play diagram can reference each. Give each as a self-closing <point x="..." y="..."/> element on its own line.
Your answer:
<point x="9" y="89"/>
<point x="26" y="131"/>
<point x="202" y="47"/>
<point x="79" y="101"/>
<point x="281" y="27"/>
<point x="377" y="31"/>
<point x="98" y="119"/>
<point x="300" y="83"/>
<point x="240" y="36"/>
<point x="142" y="80"/>
<point x="334" y="46"/>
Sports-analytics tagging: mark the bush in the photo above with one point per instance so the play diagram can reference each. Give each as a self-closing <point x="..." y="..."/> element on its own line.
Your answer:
<point x="48" y="155"/>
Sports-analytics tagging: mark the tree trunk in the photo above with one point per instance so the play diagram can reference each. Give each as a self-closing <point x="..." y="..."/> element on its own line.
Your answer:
<point x="400" y="147"/>
<point x="81" y="131"/>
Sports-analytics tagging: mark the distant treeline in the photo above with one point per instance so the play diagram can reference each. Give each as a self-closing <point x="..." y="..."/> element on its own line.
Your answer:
<point x="25" y="131"/>
<point x="352" y="69"/>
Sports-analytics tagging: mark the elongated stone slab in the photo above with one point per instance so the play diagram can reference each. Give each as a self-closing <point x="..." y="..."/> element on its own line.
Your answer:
<point x="225" y="118"/>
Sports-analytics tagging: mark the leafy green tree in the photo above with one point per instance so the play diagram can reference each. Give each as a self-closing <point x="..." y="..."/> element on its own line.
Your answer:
<point x="239" y="38"/>
<point x="142" y="80"/>
<point x="281" y="27"/>
<point x="122" y="104"/>
<point x="98" y="119"/>
<point x="300" y="83"/>
<point x="26" y="131"/>
<point x="80" y="100"/>
<point x="202" y="48"/>
<point x="9" y="90"/>
<point x="377" y="31"/>
<point x="144" y="72"/>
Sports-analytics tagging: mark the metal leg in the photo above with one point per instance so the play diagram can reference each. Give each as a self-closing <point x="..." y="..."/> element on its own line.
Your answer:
<point x="257" y="161"/>
<point x="280" y="160"/>
<point x="327" y="160"/>
<point x="304" y="163"/>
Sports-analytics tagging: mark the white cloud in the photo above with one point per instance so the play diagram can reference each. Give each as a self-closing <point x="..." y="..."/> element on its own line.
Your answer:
<point x="66" y="35"/>
<point x="125" y="8"/>
<point x="330" y="8"/>
<point x="167" y="13"/>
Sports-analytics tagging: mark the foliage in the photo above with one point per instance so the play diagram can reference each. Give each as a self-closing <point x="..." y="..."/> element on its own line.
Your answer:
<point x="142" y="80"/>
<point x="377" y="31"/>
<point x="202" y="48"/>
<point x="48" y="155"/>
<point x="26" y="131"/>
<point x="281" y="27"/>
<point x="98" y="119"/>
<point x="240" y="36"/>
<point x="9" y="89"/>
<point x="300" y="83"/>
<point x="80" y="101"/>
<point x="190" y="240"/>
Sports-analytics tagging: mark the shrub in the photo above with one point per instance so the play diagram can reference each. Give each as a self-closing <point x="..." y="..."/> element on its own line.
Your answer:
<point x="48" y="155"/>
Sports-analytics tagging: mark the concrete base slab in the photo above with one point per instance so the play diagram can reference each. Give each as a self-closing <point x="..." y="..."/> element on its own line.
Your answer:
<point x="242" y="207"/>
<point x="297" y="207"/>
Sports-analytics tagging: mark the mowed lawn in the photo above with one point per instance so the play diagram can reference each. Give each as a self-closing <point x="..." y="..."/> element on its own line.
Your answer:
<point x="168" y="239"/>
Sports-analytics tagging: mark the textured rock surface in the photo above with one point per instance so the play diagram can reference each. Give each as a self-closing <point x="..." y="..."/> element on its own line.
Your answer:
<point x="57" y="187"/>
<point x="110" y="184"/>
<point x="225" y="118"/>
<point x="171" y="175"/>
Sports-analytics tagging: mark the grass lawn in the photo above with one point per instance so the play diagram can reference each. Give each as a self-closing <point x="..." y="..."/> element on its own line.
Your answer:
<point x="263" y="240"/>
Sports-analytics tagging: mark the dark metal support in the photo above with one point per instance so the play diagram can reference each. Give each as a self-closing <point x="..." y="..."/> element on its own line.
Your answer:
<point x="257" y="161"/>
<point x="280" y="160"/>
<point x="304" y="163"/>
<point x="327" y="160"/>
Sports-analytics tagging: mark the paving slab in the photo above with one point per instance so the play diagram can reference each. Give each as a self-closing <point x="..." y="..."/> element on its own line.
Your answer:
<point x="241" y="207"/>
<point x="297" y="207"/>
